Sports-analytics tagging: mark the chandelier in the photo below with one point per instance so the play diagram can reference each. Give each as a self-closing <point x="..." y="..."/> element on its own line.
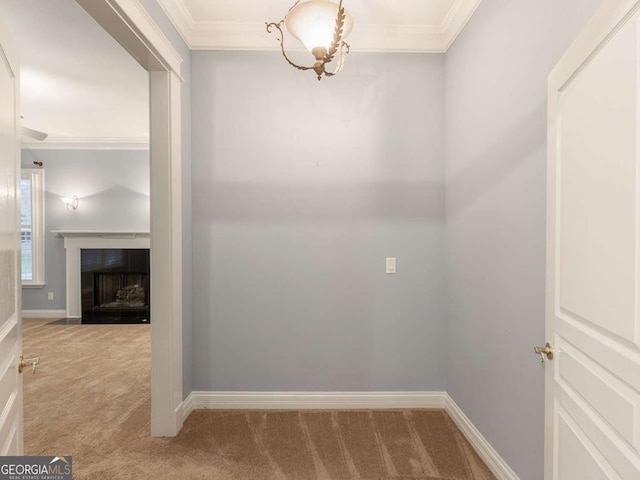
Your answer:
<point x="321" y="26"/>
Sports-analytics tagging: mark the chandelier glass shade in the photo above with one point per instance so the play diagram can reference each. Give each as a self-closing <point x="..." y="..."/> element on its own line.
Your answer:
<point x="322" y="26"/>
<point x="314" y="23"/>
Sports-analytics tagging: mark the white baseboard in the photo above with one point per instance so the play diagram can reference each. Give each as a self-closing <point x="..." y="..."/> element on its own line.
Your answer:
<point x="311" y="400"/>
<point x="44" y="313"/>
<point x="184" y="409"/>
<point x="346" y="401"/>
<point x="487" y="453"/>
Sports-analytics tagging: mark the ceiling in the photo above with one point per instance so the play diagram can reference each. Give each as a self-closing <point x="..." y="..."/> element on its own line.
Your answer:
<point x="83" y="89"/>
<point x="77" y="83"/>
<point x="380" y="25"/>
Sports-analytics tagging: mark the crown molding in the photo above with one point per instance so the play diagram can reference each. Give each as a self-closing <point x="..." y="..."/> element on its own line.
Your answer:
<point x="180" y="17"/>
<point x="365" y="37"/>
<point x="66" y="143"/>
<point x="368" y="38"/>
<point x="456" y="20"/>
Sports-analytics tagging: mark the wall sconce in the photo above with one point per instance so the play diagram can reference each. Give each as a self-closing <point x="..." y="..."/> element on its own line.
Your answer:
<point x="70" y="202"/>
<point x="322" y="27"/>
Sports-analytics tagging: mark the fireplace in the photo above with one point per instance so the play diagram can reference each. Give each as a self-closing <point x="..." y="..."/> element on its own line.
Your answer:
<point x="115" y="285"/>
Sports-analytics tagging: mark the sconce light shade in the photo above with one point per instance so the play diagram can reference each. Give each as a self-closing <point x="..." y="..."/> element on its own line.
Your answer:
<point x="70" y="202"/>
<point x="322" y="26"/>
<point x="314" y="23"/>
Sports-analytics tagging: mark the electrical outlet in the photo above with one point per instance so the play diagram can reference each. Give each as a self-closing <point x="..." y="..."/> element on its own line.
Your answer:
<point x="50" y="296"/>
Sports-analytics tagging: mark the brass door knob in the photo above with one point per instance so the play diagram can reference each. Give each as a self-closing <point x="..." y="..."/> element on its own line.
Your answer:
<point x="29" y="362"/>
<point x="546" y="351"/>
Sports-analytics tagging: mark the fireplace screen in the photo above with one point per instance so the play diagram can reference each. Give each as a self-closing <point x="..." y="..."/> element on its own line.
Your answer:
<point x="120" y="290"/>
<point x="115" y="285"/>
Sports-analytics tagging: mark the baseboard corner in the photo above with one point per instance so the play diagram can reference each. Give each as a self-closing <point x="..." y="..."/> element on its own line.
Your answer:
<point x="487" y="453"/>
<point x="185" y="408"/>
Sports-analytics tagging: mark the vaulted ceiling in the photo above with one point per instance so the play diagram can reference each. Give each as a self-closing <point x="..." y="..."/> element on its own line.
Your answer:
<point x="380" y="25"/>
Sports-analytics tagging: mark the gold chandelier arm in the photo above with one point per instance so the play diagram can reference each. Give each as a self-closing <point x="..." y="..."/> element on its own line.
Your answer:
<point x="347" y="47"/>
<point x="336" y="44"/>
<point x="278" y="26"/>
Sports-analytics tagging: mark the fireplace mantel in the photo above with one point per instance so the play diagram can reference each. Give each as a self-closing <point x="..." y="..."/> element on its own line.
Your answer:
<point x="76" y="240"/>
<point x="125" y="234"/>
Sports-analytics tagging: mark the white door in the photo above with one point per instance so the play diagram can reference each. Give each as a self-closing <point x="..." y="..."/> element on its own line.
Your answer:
<point x="593" y="252"/>
<point x="10" y="321"/>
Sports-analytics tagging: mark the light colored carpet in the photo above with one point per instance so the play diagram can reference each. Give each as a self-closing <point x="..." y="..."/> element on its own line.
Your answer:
<point x="90" y="399"/>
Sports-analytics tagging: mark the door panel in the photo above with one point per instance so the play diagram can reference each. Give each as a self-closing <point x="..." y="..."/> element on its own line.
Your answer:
<point x="593" y="382"/>
<point x="10" y="322"/>
<point x="597" y="229"/>
<point x="580" y="458"/>
<point x="606" y="396"/>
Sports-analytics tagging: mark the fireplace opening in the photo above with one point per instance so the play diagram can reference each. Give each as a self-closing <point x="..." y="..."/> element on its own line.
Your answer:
<point x="115" y="285"/>
<point x="120" y="290"/>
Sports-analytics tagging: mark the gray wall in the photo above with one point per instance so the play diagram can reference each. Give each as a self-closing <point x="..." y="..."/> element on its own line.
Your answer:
<point x="496" y="152"/>
<point x="300" y="190"/>
<point x="167" y="28"/>
<point x="113" y="188"/>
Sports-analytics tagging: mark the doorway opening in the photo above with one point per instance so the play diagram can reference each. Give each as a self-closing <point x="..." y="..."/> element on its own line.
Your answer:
<point x="160" y="293"/>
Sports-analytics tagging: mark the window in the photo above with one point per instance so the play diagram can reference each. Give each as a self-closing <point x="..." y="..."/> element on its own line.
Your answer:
<point x="32" y="227"/>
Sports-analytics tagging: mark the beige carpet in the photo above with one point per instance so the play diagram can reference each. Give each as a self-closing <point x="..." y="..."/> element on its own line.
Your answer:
<point x="90" y="399"/>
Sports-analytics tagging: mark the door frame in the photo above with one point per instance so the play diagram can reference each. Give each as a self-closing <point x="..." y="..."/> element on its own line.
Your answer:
<point x="131" y="25"/>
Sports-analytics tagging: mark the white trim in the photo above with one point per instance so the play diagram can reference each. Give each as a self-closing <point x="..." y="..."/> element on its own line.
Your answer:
<point x="456" y="20"/>
<point x="74" y="243"/>
<point x="166" y="252"/>
<point x="365" y="38"/>
<point x="350" y="401"/>
<point x="36" y="176"/>
<point x="180" y="17"/>
<point x="152" y="34"/>
<point x="44" y="313"/>
<point x="131" y="25"/>
<point x="6" y="63"/>
<point x="310" y="400"/>
<point x="487" y="453"/>
<point x="171" y="423"/>
<point x="185" y="408"/>
<point x="88" y="143"/>
<point x="107" y="234"/>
